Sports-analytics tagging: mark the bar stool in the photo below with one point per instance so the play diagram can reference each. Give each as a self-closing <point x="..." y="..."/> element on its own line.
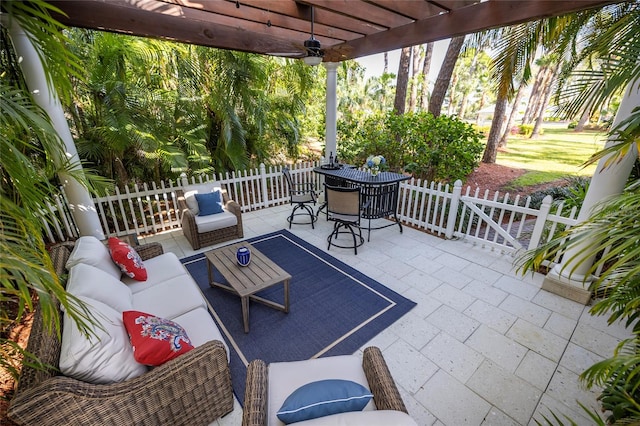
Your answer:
<point x="301" y="196"/>
<point x="344" y="207"/>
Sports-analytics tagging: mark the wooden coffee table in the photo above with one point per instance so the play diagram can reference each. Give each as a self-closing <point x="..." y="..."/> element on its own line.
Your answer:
<point x="246" y="281"/>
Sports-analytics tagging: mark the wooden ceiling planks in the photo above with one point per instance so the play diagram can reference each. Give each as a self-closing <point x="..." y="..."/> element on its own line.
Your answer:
<point x="346" y="28"/>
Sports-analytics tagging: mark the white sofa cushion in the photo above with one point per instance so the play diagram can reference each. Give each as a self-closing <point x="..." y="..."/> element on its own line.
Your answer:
<point x="363" y="418"/>
<point x="215" y="221"/>
<point x="170" y="299"/>
<point x="92" y="251"/>
<point x="286" y="377"/>
<point x="103" y="358"/>
<point x="191" y="190"/>
<point x="89" y="281"/>
<point x="159" y="269"/>
<point x="200" y="327"/>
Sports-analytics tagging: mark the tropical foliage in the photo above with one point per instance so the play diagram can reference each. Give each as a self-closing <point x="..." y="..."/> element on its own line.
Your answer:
<point x="432" y="148"/>
<point x="611" y="235"/>
<point x="153" y="109"/>
<point x="31" y="154"/>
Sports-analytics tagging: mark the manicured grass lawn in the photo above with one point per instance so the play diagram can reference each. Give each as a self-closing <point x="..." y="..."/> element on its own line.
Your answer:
<point x="557" y="153"/>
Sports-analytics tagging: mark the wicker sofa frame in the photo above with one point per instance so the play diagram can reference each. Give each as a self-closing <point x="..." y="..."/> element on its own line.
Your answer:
<point x="204" y="239"/>
<point x="385" y="392"/>
<point x="192" y="389"/>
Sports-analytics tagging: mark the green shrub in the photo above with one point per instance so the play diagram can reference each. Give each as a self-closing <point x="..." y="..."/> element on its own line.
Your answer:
<point x="525" y="129"/>
<point x="483" y="130"/>
<point x="431" y="148"/>
<point x="572" y="193"/>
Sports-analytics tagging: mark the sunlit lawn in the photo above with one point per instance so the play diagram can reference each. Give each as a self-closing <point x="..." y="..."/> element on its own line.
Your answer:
<point x="556" y="154"/>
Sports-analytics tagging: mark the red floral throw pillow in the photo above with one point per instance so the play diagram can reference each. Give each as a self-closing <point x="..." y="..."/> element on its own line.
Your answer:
<point x="127" y="259"/>
<point x="155" y="340"/>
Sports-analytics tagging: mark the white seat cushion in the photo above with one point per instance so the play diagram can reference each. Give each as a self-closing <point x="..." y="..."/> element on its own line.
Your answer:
<point x="286" y="377"/>
<point x="170" y="299"/>
<point x="363" y="418"/>
<point x="200" y="327"/>
<point x="216" y="221"/>
<point x="302" y="198"/>
<point x="105" y="357"/>
<point x="159" y="269"/>
<point x="92" y="251"/>
<point x="89" y="281"/>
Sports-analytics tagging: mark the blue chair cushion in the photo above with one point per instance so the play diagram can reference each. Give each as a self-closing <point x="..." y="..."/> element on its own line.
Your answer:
<point x="323" y="398"/>
<point x="209" y="203"/>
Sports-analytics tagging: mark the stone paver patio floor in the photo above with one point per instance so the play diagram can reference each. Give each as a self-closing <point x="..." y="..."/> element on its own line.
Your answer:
<point x="484" y="346"/>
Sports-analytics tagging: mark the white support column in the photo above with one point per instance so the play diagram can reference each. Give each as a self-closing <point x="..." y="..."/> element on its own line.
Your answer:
<point x="82" y="207"/>
<point x="567" y="278"/>
<point x="331" y="109"/>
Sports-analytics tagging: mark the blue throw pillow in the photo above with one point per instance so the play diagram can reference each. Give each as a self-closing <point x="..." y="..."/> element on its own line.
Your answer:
<point x="209" y="203"/>
<point x="323" y="398"/>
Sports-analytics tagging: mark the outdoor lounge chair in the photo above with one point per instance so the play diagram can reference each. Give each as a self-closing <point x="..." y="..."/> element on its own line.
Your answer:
<point x="203" y="231"/>
<point x="267" y="387"/>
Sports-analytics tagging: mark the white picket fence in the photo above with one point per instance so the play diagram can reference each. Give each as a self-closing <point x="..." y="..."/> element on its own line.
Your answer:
<point x="492" y="220"/>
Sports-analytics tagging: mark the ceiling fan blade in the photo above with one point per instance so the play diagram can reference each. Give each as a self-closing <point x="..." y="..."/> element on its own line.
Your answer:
<point x="287" y="54"/>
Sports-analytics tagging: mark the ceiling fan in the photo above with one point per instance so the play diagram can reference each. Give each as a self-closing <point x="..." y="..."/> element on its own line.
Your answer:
<point x="312" y="52"/>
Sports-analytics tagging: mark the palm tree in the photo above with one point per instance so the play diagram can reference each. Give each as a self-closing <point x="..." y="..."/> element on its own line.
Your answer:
<point x="379" y="92"/>
<point x="31" y="154"/>
<point x="400" y="103"/>
<point x="612" y="231"/>
<point x="444" y="76"/>
<point x="152" y="109"/>
<point x="416" y="76"/>
<point x="512" y="116"/>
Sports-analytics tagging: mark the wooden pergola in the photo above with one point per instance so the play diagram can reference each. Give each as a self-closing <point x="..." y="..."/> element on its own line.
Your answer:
<point x="346" y="29"/>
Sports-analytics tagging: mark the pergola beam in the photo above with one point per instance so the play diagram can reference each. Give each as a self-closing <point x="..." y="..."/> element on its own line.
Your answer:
<point x="346" y="29"/>
<point x="466" y="20"/>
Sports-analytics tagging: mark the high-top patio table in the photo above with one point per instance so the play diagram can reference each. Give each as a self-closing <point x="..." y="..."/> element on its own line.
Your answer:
<point x="246" y="281"/>
<point x="379" y="193"/>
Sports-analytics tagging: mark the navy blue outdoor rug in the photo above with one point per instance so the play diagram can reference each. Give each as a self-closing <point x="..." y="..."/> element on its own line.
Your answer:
<point x="334" y="309"/>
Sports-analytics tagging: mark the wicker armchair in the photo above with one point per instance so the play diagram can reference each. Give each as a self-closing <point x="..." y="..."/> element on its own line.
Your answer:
<point x="193" y="389"/>
<point x="385" y="392"/>
<point x="204" y="239"/>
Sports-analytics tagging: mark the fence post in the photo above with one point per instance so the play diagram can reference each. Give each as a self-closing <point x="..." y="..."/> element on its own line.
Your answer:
<point x="183" y="179"/>
<point x="263" y="182"/>
<point x="541" y="220"/>
<point x="453" y="209"/>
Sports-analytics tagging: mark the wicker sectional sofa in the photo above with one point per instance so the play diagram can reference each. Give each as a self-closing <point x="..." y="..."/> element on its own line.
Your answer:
<point x="192" y="389"/>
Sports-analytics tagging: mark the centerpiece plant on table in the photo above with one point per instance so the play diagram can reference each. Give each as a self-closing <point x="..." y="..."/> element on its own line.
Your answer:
<point x="375" y="163"/>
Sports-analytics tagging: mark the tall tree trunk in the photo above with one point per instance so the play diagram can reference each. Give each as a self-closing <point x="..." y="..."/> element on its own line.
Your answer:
<point x="584" y="119"/>
<point x="483" y="100"/>
<point x="466" y="90"/>
<point x="463" y="105"/>
<point x="512" y="116"/>
<point x="444" y="76"/>
<point x="452" y="94"/>
<point x="528" y="113"/>
<point x="537" y="108"/>
<point x="399" y="105"/>
<point x="424" y="96"/>
<point x="545" y="100"/>
<point x="385" y="70"/>
<point x="417" y="58"/>
<point x="491" y="150"/>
